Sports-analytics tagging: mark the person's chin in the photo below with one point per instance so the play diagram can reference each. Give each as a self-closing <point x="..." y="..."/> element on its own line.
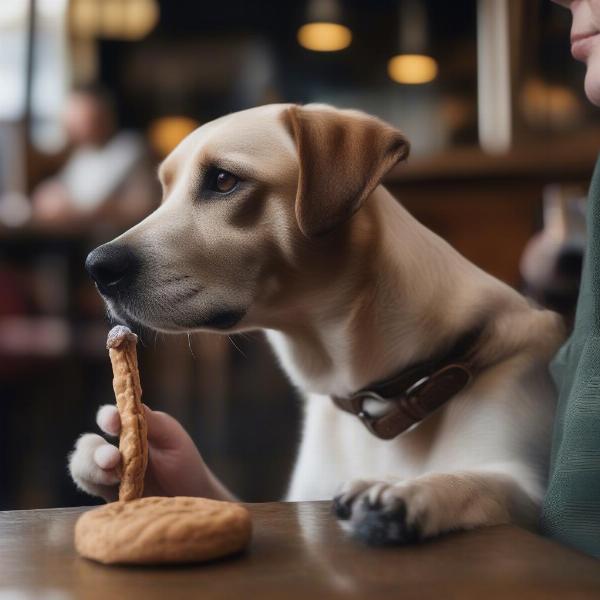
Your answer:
<point x="592" y="77"/>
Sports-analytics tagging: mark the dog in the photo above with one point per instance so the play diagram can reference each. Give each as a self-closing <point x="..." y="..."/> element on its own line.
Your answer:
<point x="428" y="402"/>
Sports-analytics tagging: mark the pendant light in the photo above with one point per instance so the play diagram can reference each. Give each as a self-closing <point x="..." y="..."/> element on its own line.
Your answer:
<point x="412" y="65"/>
<point x="324" y="30"/>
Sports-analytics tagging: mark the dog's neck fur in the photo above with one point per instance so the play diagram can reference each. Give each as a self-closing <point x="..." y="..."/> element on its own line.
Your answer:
<point x="397" y="305"/>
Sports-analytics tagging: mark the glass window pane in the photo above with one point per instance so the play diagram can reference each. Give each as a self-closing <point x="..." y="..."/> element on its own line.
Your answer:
<point x="13" y="41"/>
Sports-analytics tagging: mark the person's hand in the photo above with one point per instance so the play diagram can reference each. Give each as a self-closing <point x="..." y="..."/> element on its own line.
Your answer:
<point x="175" y="466"/>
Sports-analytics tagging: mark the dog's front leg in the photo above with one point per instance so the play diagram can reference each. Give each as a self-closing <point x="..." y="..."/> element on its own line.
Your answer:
<point x="399" y="512"/>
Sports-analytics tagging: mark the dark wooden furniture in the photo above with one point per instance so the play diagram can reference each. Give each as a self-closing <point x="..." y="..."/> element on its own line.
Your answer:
<point x="298" y="551"/>
<point x="488" y="207"/>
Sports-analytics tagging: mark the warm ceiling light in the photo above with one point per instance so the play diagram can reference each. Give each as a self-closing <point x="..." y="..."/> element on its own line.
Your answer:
<point x="412" y="68"/>
<point x="166" y="132"/>
<point x="85" y="17"/>
<point x="114" y="19"/>
<point x="142" y="17"/>
<point x="324" y="37"/>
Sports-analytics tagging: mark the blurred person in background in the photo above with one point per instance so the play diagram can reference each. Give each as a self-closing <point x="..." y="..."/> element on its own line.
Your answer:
<point x="108" y="176"/>
<point x="552" y="260"/>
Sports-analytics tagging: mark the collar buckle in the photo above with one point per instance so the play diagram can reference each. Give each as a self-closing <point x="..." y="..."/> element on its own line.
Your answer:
<point x="411" y="405"/>
<point x="370" y="421"/>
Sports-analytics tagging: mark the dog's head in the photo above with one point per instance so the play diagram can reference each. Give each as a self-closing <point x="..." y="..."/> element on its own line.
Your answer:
<point x="253" y="206"/>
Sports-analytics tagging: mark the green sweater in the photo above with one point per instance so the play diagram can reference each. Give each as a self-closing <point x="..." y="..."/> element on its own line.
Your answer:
<point x="571" y="512"/>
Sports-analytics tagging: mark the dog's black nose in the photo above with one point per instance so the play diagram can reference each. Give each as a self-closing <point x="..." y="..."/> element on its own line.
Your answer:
<point x="111" y="266"/>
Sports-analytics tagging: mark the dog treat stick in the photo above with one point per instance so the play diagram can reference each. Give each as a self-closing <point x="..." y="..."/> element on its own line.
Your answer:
<point x="133" y="444"/>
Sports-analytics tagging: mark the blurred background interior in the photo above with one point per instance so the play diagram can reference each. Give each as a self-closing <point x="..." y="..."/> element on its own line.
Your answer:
<point x="94" y="93"/>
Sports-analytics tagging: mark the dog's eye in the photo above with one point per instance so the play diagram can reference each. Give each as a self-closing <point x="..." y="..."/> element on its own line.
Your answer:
<point x="222" y="181"/>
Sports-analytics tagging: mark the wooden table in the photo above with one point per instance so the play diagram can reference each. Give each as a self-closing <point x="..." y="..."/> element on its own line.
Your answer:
<point x="298" y="551"/>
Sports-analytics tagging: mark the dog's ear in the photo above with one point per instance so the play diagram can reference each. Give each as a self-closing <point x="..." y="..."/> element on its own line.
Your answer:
<point x="343" y="155"/>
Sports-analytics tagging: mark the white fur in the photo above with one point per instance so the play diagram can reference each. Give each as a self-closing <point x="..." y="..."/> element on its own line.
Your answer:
<point x="91" y="450"/>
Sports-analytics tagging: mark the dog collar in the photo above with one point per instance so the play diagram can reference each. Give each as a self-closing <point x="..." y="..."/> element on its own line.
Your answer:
<point x="417" y="392"/>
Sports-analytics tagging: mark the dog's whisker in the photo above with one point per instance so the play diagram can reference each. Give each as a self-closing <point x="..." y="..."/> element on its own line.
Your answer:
<point x="236" y="346"/>
<point x="189" y="339"/>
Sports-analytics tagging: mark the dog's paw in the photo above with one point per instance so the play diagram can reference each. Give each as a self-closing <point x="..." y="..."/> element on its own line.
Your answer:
<point x="383" y="513"/>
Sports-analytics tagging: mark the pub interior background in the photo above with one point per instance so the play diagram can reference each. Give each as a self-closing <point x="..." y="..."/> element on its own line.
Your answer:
<point x="503" y="143"/>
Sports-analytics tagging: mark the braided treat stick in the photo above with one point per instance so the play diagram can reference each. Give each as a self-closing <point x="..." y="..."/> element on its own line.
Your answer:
<point x="133" y="444"/>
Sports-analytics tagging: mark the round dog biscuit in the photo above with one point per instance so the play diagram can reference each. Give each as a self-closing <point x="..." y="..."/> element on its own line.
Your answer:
<point x="158" y="530"/>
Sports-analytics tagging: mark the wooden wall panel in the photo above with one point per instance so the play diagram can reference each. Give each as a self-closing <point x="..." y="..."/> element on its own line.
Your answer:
<point x="489" y="222"/>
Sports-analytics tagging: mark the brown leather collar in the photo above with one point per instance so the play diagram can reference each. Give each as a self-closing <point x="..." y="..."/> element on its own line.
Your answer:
<point x="416" y="392"/>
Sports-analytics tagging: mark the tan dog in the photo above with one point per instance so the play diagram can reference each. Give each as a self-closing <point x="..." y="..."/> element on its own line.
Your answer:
<point x="260" y="227"/>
